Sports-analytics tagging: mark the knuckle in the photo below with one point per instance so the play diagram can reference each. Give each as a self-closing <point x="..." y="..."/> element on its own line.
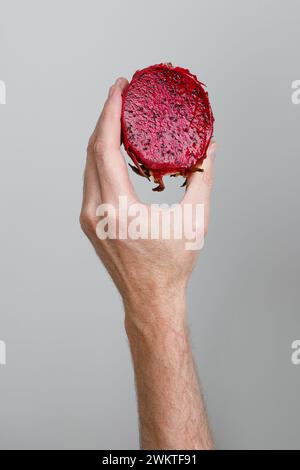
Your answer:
<point x="99" y="147"/>
<point x="90" y="145"/>
<point x="86" y="223"/>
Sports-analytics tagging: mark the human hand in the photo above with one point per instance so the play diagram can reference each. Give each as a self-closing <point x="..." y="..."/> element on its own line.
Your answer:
<point x="152" y="272"/>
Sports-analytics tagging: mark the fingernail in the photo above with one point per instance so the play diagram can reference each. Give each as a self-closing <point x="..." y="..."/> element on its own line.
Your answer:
<point x="118" y="81"/>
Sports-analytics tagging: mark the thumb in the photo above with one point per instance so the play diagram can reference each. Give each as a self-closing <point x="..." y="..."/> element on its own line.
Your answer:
<point x="111" y="166"/>
<point x="107" y="133"/>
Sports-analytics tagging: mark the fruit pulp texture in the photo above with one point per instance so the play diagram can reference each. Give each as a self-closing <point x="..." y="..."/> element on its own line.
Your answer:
<point x="167" y="118"/>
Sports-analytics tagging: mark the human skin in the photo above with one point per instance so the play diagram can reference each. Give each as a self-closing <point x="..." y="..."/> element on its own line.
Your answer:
<point x="151" y="276"/>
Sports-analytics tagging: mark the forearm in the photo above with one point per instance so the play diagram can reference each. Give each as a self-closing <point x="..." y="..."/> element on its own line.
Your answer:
<point x="171" y="410"/>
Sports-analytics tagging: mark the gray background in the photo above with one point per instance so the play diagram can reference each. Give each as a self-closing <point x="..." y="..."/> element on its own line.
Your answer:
<point x="68" y="382"/>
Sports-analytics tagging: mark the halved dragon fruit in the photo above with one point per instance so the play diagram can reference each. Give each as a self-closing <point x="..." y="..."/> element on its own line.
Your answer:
<point x="167" y="122"/>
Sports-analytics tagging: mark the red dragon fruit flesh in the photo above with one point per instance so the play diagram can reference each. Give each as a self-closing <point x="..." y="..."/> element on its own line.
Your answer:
<point x="167" y="122"/>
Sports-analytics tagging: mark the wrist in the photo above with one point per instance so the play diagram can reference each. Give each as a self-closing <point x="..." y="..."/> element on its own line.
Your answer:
<point x="159" y="315"/>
